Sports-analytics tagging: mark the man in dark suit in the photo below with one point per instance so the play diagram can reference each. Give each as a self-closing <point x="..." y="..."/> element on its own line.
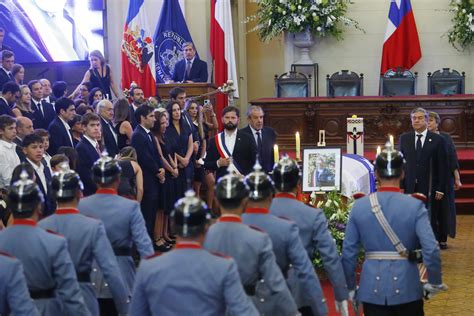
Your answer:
<point x="2" y="38"/>
<point x="34" y="150"/>
<point x="47" y="91"/>
<point x="231" y="149"/>
<point x="191" y="68"/>
<point x="88" y="151"/>
<point x="44" y="112"/>
<point x="105" y="109"/>
<point x="148" y="158"/>
<point x="10" y="93"/>
<point x="59" y="129"/>
<point x="425" y="155"/>
<point x="264" y="137"/>
<point x="138" y="98"/>
<point x="8" y="60"/>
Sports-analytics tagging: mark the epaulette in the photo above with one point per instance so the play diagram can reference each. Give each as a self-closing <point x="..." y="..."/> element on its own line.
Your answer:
<point x="420" y="196"/>
<point x="358" y="195"/>
<point x="156" y="254"/>
<point x="6" y="254"/>
<point x="218" y="254"/>
<point x="53" y="232"/>
<point x="257" y="229"/>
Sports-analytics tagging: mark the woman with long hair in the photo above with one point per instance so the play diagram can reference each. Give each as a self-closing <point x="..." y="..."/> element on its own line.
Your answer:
<point x="22" y="106"/>
<point x="163" y="240"/>
<point x="18" y="73"/>
<point x="122" y="126"/>
<point x="99" y="75"/>
<point x="131" y="178"/>
<point x="95" y="95"/>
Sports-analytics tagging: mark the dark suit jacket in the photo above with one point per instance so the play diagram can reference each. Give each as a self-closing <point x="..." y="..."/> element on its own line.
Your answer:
<point x="49" y="205"/>
<point x="5" y="108"/>
<point x="58" y="136"/>
<point x="198" y="71"/>
<point x="432" y="165"/>
<point x="148" y="159"/>
<point x="131" y="116"/>
<point x="87" y="156"/>
<point x="244" y="155"/>
<point x="4" y="78"/>
<point x="49" y="115"/>
<point x="266" y="157"/>
<point x="108" y="138"/>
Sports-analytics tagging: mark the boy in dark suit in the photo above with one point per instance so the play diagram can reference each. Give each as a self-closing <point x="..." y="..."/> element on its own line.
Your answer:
<point x="88" y="151"/>
<point x="231" y="149"/>
<point x="59" y="127"/>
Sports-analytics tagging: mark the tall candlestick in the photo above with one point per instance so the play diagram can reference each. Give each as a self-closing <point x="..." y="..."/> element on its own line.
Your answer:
<point x="379" y="150"/>
<point x="276" y="154"/>
<point x="298" y="149"/>
<point x="390" y="137"/>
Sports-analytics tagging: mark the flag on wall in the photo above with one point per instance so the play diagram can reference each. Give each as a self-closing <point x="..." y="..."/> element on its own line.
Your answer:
<point x="401" y="47"/>
<point x="222" y="49"/>
<point x="138" y="63"/>
<point x="171" y="33"/>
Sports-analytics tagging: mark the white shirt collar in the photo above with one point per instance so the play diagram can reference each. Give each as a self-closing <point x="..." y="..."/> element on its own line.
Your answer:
<point x="231" y="134"/>
<point x="254" y="131"/>
<point x="422" y="133"/>
<point x="66" y="125"/>
<point x="7" y="144"/>
<point x="8" y="72"/>
<point x="192" y="60"/>
<point x="35" y="166"/>
<point x="93" y="142"/>
<point x="146" y="129"/>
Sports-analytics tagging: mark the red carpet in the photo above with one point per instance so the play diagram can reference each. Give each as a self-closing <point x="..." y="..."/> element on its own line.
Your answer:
<point x="329" y="295"/>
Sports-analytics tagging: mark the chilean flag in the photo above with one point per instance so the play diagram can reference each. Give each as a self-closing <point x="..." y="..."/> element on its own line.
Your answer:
<point x="222" y="50"/>
<point x="137" y="49"/>
<point x="401" y="47"/>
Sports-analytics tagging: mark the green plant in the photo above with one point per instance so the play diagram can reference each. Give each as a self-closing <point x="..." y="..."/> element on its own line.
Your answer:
<point x="461" y="35"/>
<point x="322" y="17"/>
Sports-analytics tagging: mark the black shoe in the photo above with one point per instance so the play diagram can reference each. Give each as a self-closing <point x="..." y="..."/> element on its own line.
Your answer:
<point x="161" y="245"/>
<point x="170" y="241"/>
<point x="443" y="245"/>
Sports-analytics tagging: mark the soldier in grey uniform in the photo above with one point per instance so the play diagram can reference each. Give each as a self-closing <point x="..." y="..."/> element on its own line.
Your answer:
<point x="87" y="241"/>
<point x="251" y="248"/>
<point x="14" y="295"/>
<point x="390" y="281"/>
<point x="314" y="234"/>
<point x="190" y="280"/>
<point x="124" y="225"/>
<point x="48" y="268"/>
<point x="287" y="245"/>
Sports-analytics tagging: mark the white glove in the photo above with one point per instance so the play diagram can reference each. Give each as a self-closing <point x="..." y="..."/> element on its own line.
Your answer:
<point x="342" y="307"/>
<point x="352" y="294"/>
<point x="431" y="290"/>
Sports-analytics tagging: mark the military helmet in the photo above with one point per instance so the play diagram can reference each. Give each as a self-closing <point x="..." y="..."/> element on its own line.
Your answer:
<point x="231" y="188"/>
<point x="105" y="170"/>
<point x="259" y="184"/>
<point x="24" y="195"/>
<point x="190" y="215"/>
<point x="389" y="162"/>
<point x="66" y="182"/>
<point x="286" y="174"/>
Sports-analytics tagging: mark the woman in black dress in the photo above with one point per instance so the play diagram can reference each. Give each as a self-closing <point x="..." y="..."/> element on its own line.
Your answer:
<point x="131" y="178"/>
<point x="22" y="107"/>
<point x="122" y="126"/>
<point x="99" y="75"/>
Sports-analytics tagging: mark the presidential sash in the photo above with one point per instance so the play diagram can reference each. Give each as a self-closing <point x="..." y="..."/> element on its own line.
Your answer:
<point x="225" y="153"/>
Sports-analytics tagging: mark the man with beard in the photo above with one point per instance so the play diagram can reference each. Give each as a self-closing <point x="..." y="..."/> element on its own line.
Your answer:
<point x="138" y="99"/>
<point x="231" y="149"/>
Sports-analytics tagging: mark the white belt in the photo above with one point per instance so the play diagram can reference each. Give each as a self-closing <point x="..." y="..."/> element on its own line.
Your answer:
<point x="384" y="255"/>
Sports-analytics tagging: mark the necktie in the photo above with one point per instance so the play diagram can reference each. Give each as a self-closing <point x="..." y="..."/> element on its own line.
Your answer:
<point x="150" y="135"/>
<point x="11" y="76"/>
<point x="418" y="147"/>
<point x="188" y="69"/>
<point x="259" y="145"/>
<point x="97" y="147"/>
<point x="40" y="108"/>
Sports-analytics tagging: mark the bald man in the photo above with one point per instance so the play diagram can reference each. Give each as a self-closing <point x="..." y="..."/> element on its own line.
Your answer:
<point x="24" y="126"/>
<point x="47" y="92"/>
<point x="105" y="109"/>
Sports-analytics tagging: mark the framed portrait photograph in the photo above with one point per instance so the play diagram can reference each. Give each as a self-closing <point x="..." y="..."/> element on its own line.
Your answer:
<point x="322" y="169"/>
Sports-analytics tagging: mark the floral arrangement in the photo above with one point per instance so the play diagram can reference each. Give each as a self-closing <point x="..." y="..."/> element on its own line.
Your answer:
<point x="461" y="35"/>
<point x="337" y="211"/>
<point x="322" y="17"/>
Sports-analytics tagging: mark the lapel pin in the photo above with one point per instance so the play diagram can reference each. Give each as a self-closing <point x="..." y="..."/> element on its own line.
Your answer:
<point x="429" y="139"/>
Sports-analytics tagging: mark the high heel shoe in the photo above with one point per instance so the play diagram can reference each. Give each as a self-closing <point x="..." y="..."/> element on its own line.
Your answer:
<point x="161" y="245"/>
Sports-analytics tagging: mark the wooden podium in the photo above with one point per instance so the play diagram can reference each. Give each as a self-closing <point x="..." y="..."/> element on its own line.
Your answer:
<point x="192" y="89"/>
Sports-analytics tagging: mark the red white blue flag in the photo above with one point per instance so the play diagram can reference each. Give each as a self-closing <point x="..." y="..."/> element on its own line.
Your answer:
<point x="401" y="47"/>
<point x="222" y="49"/>
<point x="138" y="64"/>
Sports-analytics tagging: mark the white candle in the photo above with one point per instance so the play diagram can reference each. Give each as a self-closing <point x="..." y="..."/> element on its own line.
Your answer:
<point x="298" y="149"/>
<point x="276" y="154"/>
<point x="379" y="150"/>
<point x="390" y="137"/>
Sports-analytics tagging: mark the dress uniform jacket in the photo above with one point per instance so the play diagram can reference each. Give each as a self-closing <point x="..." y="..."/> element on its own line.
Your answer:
<point x="390" y="282"/>
<point x="14" y="295"/>
<point x="125" y="228"/>
<point x="47" y="266"/>
<point x="252" y="251"/>
<point x="288" y="249"/>
<point x="189" y="281"/>
<point x="87" y="240"/>
<point x="315" y="236"/>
